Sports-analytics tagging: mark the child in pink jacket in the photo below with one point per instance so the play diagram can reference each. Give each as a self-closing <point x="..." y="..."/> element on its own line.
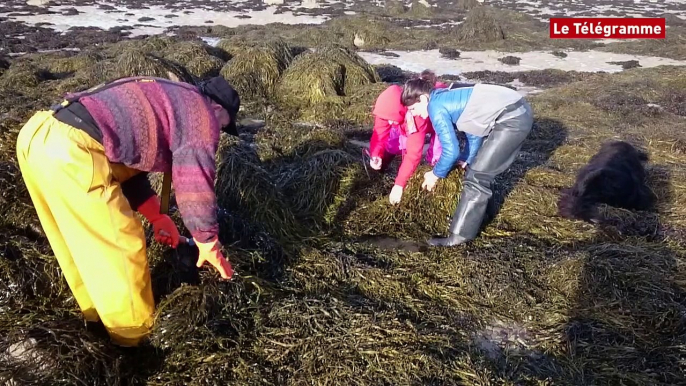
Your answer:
<point x="396" y="132"/>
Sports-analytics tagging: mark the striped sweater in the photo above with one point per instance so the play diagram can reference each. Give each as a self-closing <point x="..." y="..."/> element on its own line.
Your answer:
<point x="163" y="126"/>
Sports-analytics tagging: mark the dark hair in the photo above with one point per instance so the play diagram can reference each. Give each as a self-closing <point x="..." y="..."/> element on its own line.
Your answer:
<point x="416" y="87"/>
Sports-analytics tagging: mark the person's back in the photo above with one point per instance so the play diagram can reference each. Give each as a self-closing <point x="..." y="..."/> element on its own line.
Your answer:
<point x="474" y="108"/>
<point x="395" y="132"/>
<point x="84" y="163"/>
<point x="494" y="113"/>
<point x="486" y="103"/>
<point x="145" y="125"/>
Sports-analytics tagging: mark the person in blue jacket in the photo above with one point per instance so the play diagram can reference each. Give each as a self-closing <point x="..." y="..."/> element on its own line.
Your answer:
<point x="496" y="121"/>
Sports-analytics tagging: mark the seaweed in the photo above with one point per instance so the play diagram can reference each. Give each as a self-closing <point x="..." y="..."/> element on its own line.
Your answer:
<point x="330" y="285"/>
<point x="480" y="25"/>
<point x="255" y="70"/>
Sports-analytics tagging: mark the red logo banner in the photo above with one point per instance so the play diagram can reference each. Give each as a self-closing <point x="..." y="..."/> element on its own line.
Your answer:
<point x="607" y="28"/>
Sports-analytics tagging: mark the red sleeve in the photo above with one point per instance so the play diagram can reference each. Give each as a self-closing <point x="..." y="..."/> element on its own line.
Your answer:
<point x="413" y="156"/>
<point x="380" y="134"/>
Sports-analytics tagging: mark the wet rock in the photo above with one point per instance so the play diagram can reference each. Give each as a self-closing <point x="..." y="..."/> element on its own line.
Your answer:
<point x="70" y="12"/>
<point x="510" y="60"/>
<point x="389" y="54"/>
<point x="627" y="64"/>
<point x="392" y="74"/>
<point x="498" y="77"/>
<point x="449" y="53"/>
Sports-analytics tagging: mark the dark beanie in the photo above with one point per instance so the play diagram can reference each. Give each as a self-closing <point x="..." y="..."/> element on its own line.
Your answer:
<point x="221" y="92"/>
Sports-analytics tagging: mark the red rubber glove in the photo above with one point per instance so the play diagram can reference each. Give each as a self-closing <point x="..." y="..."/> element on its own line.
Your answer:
<point x="211" y="252"/>
<point x="163" y="227"/>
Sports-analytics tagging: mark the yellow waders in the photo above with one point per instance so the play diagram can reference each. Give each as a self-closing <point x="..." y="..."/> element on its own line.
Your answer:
<point x="98" y="241"/>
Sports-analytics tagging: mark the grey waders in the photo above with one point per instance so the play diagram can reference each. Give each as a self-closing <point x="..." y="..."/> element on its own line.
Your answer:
<point x="497" y="153"/>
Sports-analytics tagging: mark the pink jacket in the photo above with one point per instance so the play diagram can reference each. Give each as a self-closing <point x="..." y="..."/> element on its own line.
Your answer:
<point x="396" y="139"/>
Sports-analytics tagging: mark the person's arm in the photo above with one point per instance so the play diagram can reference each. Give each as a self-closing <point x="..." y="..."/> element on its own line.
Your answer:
<point x="193" y="174"/>
<point x="443" y="126"/>
<point x="471" y="148"/>
<point x="137" y="190"/>
<point x="380" y="134"/>
<point x="413" y="156"/>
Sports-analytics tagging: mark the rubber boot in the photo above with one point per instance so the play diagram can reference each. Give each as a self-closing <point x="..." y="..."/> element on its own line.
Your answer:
<point x="495" y="156"/>
<point x="457" y="224"/>
<point x="450" y="241"/>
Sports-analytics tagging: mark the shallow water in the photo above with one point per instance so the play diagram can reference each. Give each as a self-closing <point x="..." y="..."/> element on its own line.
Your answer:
<point x="122" y="16"/>
<point x="586" y="61"/>
<point x="543" y="9"/>
<point x="200" y="12"/>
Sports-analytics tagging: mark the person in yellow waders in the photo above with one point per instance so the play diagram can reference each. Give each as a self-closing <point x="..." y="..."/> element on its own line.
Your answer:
<point x="85" y="165"/>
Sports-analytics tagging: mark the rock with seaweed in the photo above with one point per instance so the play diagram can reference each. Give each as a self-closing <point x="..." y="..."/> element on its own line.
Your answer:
<point x="319" y="185"/>
<point x="255" y="70"/>
<point x="283" y="137"/>
<point x="480" y="25"/>
<point x="357" y="71"/>
<point x="233" y="46"/>
<point x="243" y="183"/>
<point x="362" y="32"/>
<point x="394" y="7"/>
<point x="19" y="77"/>
<point x="194" y="57"/>
<point x="62" y="64"/>
<point x="313" y="78"/>
<point x="419" y="9"/>
<point x="73" y="64"/>
<point x="323" y="83"/>
<point x="139" y="63"/>
<point x="357" y="114"/>
<point x="421" y="214"/>
<point x="466" y="5"/>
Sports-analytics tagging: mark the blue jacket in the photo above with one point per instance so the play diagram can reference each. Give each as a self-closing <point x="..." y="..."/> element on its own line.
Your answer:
<point x="445" y="107"/>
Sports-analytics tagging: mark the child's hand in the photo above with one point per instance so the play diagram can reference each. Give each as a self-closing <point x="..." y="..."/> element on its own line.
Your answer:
<point x="375" y="163"/>
<point x="429" y="181"/>
<point x="396" y="194"/>
<point x="462" y="164"/>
